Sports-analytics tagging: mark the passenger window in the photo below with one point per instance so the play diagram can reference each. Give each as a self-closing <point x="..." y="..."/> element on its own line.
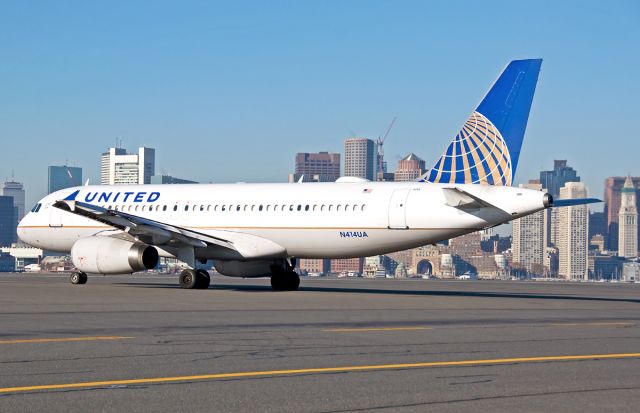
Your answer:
<point x="355" y="207"/>
<point x="230" y="208"/>
<point x="299" y="207"/>
<point x="175" y="207"/>
<point x="260" y="208"/>
<point x="201" y="208"/>
<point x="215" y="208"/>
<point x="290" y="207"/>
<point x="142" y="209"/>
<point x="208" y="208"/>
<point x="339" y="207"/>
<point x="314" y="207"/>
<point x="362" y="209"/>
<point x="137" y="207"/>
<point x="322" y="207"/>
<point x="346" y="208"/>
<point x="330" y="207"/>
<point x="164" y="207"/>
<point x="306" y="208"/>
<point x="253" y="208"/>
<point x="268" y="207"/>
<point x="186" y="207"/>
<point x="238" y="208"/>
<point x="223" y="207"/>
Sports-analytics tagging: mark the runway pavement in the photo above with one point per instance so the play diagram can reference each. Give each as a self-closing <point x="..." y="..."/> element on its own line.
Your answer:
<point x="140" y="343"/>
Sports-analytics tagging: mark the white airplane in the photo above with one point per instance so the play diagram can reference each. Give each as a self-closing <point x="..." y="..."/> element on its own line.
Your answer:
<point x="258" y="230"/>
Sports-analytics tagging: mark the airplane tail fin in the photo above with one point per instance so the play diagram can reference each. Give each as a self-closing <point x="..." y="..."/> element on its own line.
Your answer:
<point x="487" y="149"/>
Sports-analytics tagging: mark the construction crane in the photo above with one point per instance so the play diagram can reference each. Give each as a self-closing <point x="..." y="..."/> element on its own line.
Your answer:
<point x="380" y="142"/>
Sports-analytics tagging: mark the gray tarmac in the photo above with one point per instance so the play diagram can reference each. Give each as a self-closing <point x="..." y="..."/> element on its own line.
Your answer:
<point x="240" y="347"/>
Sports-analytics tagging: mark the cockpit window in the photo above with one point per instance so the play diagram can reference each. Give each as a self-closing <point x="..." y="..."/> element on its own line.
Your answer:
<point x="36" y="207"/>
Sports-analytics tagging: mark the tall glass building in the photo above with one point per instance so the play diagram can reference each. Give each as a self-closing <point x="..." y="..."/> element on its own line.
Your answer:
<point x="61" y="177"/>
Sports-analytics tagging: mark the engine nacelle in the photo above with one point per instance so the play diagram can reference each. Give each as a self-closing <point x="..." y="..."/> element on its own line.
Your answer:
<point x="106" y="255"/>
<point x="244" y="269"/>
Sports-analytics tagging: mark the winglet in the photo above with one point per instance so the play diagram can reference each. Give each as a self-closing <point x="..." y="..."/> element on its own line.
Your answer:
<point x="72" y="196"/>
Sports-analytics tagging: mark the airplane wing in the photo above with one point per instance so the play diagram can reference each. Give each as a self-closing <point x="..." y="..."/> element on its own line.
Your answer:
<point x="233" y="244"/>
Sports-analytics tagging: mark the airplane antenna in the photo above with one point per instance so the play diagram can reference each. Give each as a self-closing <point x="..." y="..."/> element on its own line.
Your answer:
<point x="380" y="142"/>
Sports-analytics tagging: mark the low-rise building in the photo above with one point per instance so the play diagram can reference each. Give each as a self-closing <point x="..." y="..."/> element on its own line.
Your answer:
<point x="319" y="266"/>
<point x="347" y="265"/>
<point x="631" y="271"/>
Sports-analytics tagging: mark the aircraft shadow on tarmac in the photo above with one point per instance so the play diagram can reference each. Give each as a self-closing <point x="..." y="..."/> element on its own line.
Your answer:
<point x="432" y="293"/>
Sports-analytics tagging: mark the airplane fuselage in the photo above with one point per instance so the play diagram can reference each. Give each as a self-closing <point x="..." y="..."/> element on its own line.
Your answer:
<point x="309" y="220"/>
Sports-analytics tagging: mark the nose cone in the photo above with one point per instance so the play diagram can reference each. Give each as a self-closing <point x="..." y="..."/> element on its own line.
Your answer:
<point x="23" y="229"/>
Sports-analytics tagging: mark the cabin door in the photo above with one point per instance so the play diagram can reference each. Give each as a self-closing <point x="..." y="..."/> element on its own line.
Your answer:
<point x="398" y="209"/>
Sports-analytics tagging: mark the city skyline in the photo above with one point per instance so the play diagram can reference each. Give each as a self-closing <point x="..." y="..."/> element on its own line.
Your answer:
<point x="303" y="77"/>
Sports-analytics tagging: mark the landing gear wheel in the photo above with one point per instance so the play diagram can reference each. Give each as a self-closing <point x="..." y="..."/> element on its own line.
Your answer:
<point x="202" y="279"/>
<point x="78" y="278"/>
<point x="188" y="279"/>
<point x="288" y="281"/>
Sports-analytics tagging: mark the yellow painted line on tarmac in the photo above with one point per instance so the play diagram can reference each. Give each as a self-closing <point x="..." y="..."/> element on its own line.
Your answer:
<point x="61" y="339"/>
<point x="590" y="324"/>
<point x="343" y="369"/>
<point x="365" y="329"/>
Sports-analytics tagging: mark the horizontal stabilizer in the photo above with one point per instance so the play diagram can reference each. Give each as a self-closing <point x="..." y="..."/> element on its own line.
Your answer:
<point x="458" y="198"/>
<point x="572" y="202"/>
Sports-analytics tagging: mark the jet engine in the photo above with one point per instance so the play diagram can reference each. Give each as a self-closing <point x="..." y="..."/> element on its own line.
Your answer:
<point x="106" y="255"/>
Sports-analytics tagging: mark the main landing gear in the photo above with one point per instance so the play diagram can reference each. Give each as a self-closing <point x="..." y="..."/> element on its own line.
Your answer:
<point x="78" y="278"/>
<point x="194" y="279"/>
<point x="284" y="279"/>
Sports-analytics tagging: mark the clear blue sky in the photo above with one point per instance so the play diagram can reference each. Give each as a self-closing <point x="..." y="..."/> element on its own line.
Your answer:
<point x="230" y="91"/>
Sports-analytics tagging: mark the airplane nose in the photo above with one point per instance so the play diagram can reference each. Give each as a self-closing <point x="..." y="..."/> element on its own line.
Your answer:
<point x="22" y="230"/>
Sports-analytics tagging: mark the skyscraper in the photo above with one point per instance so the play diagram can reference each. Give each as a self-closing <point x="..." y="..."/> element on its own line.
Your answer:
<point x="117" y="167"/>
<point x="317" y="167"/>
<point x="573" y="231"/>
<point x="105" y="164"/>
<point x="16" y="191"/>
<point x="555" y="179"/>
<point x="410" y="168"/>
<point x="529" y="240"/>
<point x="7" y="221"/>
<point x="628" y="221"/>
<point x="360" y="158"/>
<point x="168" y="179"/>
<point x="61" y="177"/>
<point x="612" y="197"/>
